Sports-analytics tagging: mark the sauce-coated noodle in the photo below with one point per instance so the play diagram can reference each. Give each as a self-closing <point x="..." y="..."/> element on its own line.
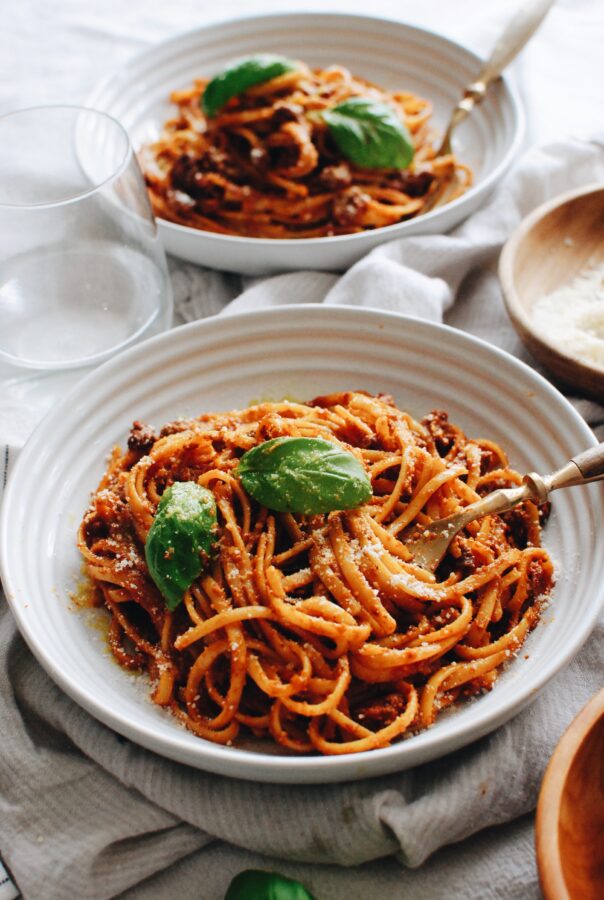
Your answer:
<point x="267" y="167"/>
<point x="318" y="630"/>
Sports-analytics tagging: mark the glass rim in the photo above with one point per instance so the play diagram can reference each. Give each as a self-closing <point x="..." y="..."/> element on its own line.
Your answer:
<point x="75" y="107"/>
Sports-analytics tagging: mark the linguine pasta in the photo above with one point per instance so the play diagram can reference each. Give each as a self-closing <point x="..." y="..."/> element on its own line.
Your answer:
<point x="266" y="166"/>
<point x="318" y="631"/>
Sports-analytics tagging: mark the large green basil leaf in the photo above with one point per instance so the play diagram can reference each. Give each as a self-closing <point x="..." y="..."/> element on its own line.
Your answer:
<point x="241" y="75"/>
<point x="256" y="885"/>
<point x="369" y="133"/>
<point x="181" y="538"/>
<point x="304" y="475"/>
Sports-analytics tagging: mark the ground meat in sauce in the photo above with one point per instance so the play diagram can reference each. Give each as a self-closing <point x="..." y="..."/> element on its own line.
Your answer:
<point x="355" y="435"/>
<point x="383" y="710"/>
<point x="175" y="427"/>
<point x="544" y="510"/>
<point x="186" y="168"/>
<point x="349" y="204"/>
<point x="335" y="178"/>
<point x="539" y="579"/>
<point x="440" y="429"/>
<point x="141" y="438"/>
<point x="110" y="515"/>
<point x="518" y="524"/>
<point x="185" y="173"/>
<point x="467" y="560"/>
<point x="214" y="160"/>
<point x="286" y="112"/>
<point x="192" y="177"/>
<point x="414" y="184"/>
<point x="488" y="460"/>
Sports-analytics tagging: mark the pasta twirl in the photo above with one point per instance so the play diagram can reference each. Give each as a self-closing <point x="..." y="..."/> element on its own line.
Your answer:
<point x="318" y="631"/>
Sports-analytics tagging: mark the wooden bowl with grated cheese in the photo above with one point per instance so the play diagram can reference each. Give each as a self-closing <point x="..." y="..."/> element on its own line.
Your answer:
<point x="552" y="277"/>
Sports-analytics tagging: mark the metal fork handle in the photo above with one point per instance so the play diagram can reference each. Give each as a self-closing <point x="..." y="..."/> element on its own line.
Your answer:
<point x="581" y="469"/>
<point x="590" y="463"/>
<point x="516" y="34"/>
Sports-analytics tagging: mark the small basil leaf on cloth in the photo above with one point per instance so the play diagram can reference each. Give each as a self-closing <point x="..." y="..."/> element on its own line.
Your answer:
<point x="256" y="885"/>
<point x="304" y="475"/>
<point x="241" y="75"/>
<point x="369" y="133"/>
<point x="181" y="538"/>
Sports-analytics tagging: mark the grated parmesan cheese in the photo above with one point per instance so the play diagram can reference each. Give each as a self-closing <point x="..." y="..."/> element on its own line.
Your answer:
<point x="572" y="317"/>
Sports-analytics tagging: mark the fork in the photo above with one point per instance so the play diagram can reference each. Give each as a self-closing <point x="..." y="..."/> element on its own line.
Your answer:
<point x="429" y="543"/>
<point x="516" y="34"/>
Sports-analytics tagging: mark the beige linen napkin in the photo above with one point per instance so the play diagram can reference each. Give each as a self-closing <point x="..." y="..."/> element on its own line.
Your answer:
<point x="85" y="813"/>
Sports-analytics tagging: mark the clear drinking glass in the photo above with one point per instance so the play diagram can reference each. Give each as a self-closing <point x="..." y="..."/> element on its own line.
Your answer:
<point x="82" y="271"/>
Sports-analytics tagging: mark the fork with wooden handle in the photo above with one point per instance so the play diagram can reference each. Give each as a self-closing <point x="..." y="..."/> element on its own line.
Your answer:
<point x="429" y="543"/>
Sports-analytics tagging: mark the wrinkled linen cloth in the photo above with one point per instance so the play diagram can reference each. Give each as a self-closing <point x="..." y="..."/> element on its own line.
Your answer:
<point x="85" y="813"/>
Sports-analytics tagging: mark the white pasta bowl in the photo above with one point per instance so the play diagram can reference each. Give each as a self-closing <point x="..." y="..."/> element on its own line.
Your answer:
<point x="389" y="53"/>
<point x="296" y="352"/>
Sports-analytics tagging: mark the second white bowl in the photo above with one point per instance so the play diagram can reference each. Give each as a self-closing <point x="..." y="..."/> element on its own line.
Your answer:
<point x="389" y="53"/>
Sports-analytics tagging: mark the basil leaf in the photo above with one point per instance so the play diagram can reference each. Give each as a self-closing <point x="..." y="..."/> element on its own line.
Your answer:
<point x="241" y="75"/>
<point x="181" y="538"/>
<point x="256" y="885"/>
<point x="303" y="475"/>
<point x="369" y="133"/>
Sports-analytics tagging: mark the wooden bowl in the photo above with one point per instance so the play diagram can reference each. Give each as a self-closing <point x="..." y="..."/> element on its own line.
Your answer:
<point x="570" y="812"/>
<point x="549" y="248"/>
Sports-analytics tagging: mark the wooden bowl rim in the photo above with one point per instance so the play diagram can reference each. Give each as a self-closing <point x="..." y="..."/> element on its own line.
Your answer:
<point x="515" y="308"/>
<point x="547" y="842"/>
